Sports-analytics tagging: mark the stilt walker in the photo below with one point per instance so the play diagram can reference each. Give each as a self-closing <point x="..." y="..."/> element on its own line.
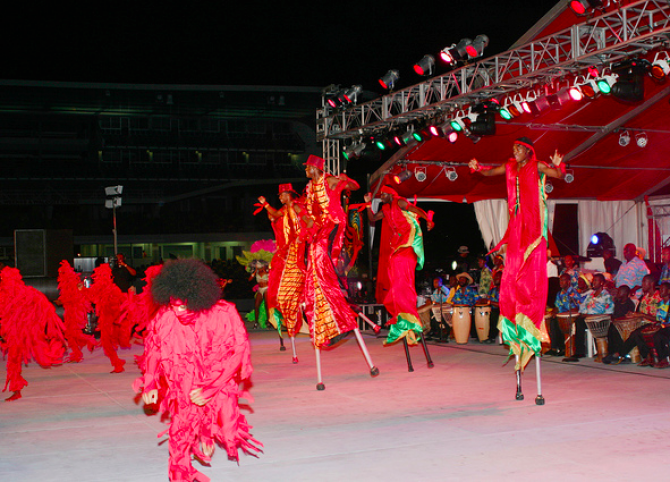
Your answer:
<point x="400" y="256"/>
<point x="291" y="224"/>
<point x="326" y="308"/>
<point x="523" y="290"/>
<point x="76" y="307"/>
<point x="30" y="329"/>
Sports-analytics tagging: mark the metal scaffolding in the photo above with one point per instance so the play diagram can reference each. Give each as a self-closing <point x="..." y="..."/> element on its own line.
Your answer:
<point x="628" y="31"/>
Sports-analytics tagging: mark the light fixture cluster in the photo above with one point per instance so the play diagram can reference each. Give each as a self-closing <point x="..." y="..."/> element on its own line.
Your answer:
<point x="466" y="49"/>
<point x="344" y="97"/>
<point x="587" y="7"/>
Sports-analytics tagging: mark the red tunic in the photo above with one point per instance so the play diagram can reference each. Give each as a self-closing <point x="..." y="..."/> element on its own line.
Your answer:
<point x="76" y="307"/>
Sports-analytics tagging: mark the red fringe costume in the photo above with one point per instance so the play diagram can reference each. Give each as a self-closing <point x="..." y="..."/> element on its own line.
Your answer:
<point x="108" y="299"/>
<point x="76" y="307"/>
<point x="287" y="269"/>
<point x="144" y="310"/>
<point x="326" y="307"/>
<point x="30" y="328"/>
<point x="207" y="350"/>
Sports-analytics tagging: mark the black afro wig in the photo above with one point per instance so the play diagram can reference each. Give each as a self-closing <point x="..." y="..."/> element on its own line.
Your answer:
<point x="187" y="280"/>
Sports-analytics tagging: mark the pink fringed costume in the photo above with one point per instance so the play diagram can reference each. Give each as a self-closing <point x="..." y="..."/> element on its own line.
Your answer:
<point x="76" y="307"/>
<point x="30" y="328"/>
<point x="108" y="299"/>
<point x="206" y="351"/>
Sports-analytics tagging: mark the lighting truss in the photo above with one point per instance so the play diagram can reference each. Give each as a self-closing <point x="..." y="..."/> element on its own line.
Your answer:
<point x="627" y="31"/>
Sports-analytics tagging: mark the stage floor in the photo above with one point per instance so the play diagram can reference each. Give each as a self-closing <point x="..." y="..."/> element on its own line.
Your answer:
<point x="456" y="421"/>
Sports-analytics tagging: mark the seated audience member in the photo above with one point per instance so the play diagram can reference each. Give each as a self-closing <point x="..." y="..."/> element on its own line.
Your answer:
<point x="632" y="271"/>
<point x="662" y="336"/>
<point x="567" y="301"/>
<point x="597" y="302"/>
<point x="621" y="348"/>
<point x="623" y="305"/>
<point x="650" y="299"/>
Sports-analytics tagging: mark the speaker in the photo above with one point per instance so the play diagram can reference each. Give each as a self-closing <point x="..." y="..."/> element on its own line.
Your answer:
<point x="39" y="252"/>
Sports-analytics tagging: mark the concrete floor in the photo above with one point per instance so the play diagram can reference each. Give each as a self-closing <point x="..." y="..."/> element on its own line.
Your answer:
<point x="457" y="421"/>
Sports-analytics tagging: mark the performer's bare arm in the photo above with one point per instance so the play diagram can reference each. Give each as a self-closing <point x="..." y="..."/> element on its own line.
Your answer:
<point x="372" y="217"/>
<point x="495" y="171"/>
<point x="272" y="212"/>
<point x="304" y="215"/>
<point x="555" y="169"/>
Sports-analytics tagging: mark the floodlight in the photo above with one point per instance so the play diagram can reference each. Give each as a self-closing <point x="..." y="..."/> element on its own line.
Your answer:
<point x="353" y="151"/>
<point x="389" y="79"/>
<point x="624" y="139"/>
<point x="476" y="49"/>
<point x="641" y="139"/>
<point x="402" y="176"/>
<point x="113" y="191"/>
<point x="450" y="54"/>
<point x="451" y="174"/>
<point x="569" y="176"/>
<point x="351" y="94"/>
<point x="425" y="65"/>
<point x="420" y="174"/>
<point x="548" y="187"/>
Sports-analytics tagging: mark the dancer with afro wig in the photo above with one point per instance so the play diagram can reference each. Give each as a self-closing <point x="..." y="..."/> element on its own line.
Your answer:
<point x="197" y="345"/>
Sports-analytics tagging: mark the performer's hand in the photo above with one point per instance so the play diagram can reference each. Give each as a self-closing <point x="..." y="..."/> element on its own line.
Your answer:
<point x="197" y="398"/>
<point x="262" y="200"/>
<point x="367" y="198"/>
<point x="557" y="158"/>
<point x="150" y="397"/>
<point x="473" y="164"/>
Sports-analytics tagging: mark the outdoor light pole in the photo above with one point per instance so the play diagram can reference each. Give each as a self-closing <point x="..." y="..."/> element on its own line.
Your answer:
<point x="113" y="201"/>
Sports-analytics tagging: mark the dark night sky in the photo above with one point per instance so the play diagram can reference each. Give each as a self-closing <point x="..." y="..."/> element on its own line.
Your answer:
<point x="266" y="43"/>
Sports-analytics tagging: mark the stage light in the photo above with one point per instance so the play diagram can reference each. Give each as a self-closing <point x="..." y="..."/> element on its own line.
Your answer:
<point x="576" y="93"/>
<point x="452" y="136"/>
<point x="595" y="239"/>
<point x="462" y="47"/>
<point x="599" y="243"/>
<point x="353" y="151"/>
<point x="333" y="100"/>
<point x="641" y="139"/>
<point x="451" y="174"/>
<point x="660" y="69"/>
<point x="548" y="187"/>
<point x="425" y="65"/>
<point x="417" y="136"/>
<point x="407" y="137"/>
<point x="435" y="131"/>
<point x="569" y="176"/>
<point x="605" y="83"/>
<point x="389" y="79"/>
<point x="624" y="139"/>
<point x="485" y="124"/>
<point x="474" y="138"/>
<point x="505" y="113"/>
<point x="580" y="7"/>
<point x="382" y="143"/>
<point x="420" y="174"/>
<point x="450" y="54"/>
<point x="351" y="94"/>
<point x="402" y="176"/>
<point x="476" y="48"/>
<point x="457" y="124"/>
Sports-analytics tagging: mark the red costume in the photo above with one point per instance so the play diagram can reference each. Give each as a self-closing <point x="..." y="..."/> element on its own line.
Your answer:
<point x="108" y="299"/>
<point x="401" y="254"/>
<point x="326" y="307"/>
<point x="30" y="329"/>
<point x="205" y="350"/>
<point x="523" y="288"/>
<point x="76" y="307"/>
<point x="287" y="269"/>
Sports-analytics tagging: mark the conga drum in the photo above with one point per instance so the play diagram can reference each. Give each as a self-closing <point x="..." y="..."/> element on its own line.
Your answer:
<point x="483" y="321"/>
<point x="566" y="323"/>
<point x="627" y="326"/>
<point x="648" y="333"/>
<point x="461" y="323"/>
<point x="598" y="325"/>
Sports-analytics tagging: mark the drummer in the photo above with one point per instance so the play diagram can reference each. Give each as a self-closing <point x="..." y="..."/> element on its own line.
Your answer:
<point x="567" y="301"/>
<point x="597" y="302"/>
<point x="662" y="336"/>
<point x="492" y="298"/>
<point x="637" y="338"/>
<point x="571" y="269"/>
<point x="465" y="293"/>
<point x="438" y="295"/>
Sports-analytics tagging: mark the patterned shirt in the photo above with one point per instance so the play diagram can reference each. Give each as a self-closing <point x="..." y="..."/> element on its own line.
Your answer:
<point x="494" y="294"/>
<point x="600" y="304"/>
<point x="631" y="273"/>
<point x="662" y="313"/>
<point x="465" y="297"/>
<point x="649" y="303"/>
<point x="574" y="276"/>
<point x="665" y="274"/>
<point x="567" y="300"/>
<point x="485" y="278"/>
<point x="440" y="295"/>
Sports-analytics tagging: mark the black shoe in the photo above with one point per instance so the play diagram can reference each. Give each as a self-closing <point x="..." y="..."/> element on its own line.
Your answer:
<point x="571" y="359"/>
<point x="611" y="359"/>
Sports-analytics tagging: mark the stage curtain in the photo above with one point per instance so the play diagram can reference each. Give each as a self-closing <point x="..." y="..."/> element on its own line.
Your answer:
<point x="624" y="221"/>
<point x="492" y="217"/>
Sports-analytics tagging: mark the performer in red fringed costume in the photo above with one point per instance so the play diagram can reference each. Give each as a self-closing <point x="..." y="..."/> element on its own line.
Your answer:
<point x="326" y="307"/>
<point x="523" y="290"/>
<point x="142" y="310"/>
<point x="287" y="268"/>
<point x="108" y="299"/>
<point x="401" y="254"/>
<point x="76" y="307"/>
<point x="30" y="329"/>
<point x="199" y="348"/>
